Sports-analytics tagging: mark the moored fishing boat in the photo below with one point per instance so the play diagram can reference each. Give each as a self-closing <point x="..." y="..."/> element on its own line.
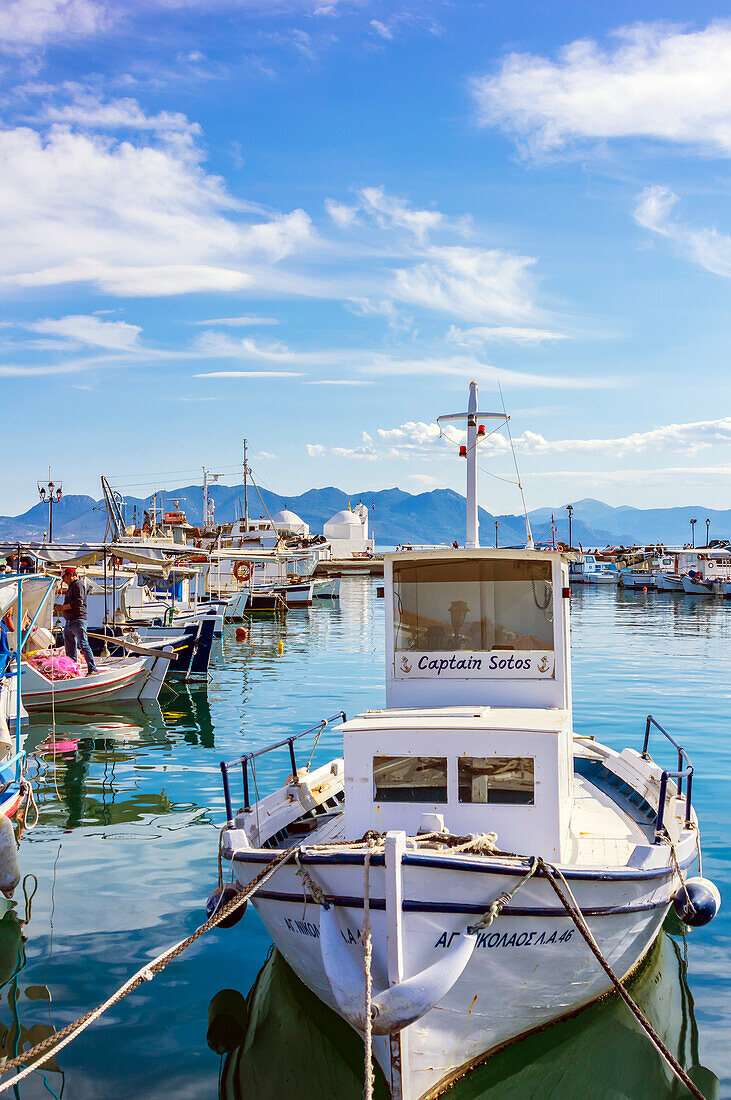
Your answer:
<point x="447" y="856"/>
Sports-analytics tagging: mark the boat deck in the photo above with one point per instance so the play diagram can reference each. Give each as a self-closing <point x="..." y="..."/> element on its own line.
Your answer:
<point x="607" y="823"/>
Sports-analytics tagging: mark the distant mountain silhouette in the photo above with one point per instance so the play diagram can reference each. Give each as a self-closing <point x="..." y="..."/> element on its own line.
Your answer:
<point x="434" y="517"/>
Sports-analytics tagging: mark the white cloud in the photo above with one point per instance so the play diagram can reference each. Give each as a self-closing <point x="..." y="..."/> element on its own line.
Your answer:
<point x="390" y="211"/>
<point x="343" y="215"/>
<point x="658" y="81"/>
<point x="419" y="439"/>
<point x="238" y="322"/>
<point x="397" y="320"/>
<point x="360" y="361"/>
<point x="706" y="247"/>
<point x="248" y="374"/>
<point x="89" y="330"/>
<point x="315" y="450"/>
<point x="89" y="111"/>
<point x="132" y="219"/>
<point x="680" y="438"/>
<point x="339" y="382"/>
<point x="479" y="336"/>
<point x="31" y="24"/>
<point x="381" y="29"/>
<point x="474" y="283"/>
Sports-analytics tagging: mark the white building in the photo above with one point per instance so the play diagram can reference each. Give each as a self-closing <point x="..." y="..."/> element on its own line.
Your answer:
<point x="290" y="521"/>
<point x="347" y="532"/>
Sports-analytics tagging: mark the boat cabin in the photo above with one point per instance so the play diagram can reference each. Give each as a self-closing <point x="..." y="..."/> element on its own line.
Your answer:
<point x="478" y="730"/>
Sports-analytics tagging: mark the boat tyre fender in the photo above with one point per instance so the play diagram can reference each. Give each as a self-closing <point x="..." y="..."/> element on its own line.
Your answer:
<point x="242" y="571"/>
<point x="9" y="866"/>
<point x="221" y="896"/>
<point x="697" y="902"/>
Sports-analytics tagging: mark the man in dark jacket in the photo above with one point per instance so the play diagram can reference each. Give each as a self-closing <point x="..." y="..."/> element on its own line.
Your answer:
<point x="73" y="610"/>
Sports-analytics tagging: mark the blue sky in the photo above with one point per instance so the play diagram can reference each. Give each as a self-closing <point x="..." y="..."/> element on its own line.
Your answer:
<point x="311" y="222"/>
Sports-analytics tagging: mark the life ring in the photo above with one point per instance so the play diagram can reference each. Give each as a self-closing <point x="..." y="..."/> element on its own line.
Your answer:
<point x="242" y="571"/>
<point x="560" y="547"/>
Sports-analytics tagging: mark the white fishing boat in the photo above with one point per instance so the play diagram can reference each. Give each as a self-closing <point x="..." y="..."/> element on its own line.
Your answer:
<point x="599" y="572"/>
<point x="48" y="679"/>
<point x="442" y="858"/>
<point x="637" y="578"/>
<point x="327" y="587"/>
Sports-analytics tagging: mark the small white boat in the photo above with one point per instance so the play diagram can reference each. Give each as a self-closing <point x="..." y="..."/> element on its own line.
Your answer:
<point x="441" y="831"/>
<point x="327" y="588"/>
<point x="698" y="586"/>
<point x="600" y="572"/>
<point x="669" y="582"/>
<point x="119" y="678"/>
<point x="636" y="578"/>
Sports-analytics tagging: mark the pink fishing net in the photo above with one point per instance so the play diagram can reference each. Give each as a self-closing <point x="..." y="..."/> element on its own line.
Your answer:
<point x="55" y="666"/>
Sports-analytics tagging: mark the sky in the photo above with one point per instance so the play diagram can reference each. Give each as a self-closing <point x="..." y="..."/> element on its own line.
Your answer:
<point x="312" y="222"/>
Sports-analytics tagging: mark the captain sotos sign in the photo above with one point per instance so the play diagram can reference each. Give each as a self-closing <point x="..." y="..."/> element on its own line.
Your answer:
<point x="498" y="664"/>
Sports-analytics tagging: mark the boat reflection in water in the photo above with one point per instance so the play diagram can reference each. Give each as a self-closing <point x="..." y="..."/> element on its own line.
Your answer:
<point x="282" y="1041"/>
<point x="13" y="937"/>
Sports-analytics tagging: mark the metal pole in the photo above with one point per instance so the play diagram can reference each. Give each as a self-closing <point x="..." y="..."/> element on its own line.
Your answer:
<point x="473" y="536"/>
<point x="246" y="493"/>
<point x="496" y="528"/>
<point x="18" y="672"/>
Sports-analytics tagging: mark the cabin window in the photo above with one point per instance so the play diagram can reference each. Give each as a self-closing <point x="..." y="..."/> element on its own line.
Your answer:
<point x="409" y="779"/>
<point x="505" y="780"/>
<point x="473" y="604"/>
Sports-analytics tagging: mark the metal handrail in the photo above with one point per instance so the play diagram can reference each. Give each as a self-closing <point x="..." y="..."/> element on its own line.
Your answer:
<point x="247" y="757"/>
<point x="681" y="774"/>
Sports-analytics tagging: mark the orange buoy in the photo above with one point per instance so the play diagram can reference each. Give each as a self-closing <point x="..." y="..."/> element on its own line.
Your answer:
<point x="644" y="588"/>
<point x="280" y="648"/>
<point x="241" y="633"/>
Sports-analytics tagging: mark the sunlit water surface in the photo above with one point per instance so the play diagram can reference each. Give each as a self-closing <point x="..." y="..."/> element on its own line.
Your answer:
<point x="125" y="852"/>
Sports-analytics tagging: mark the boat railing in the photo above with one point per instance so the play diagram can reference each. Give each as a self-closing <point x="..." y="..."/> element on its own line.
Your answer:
<point x="682" y="772"/>
<point x="246" y="761"/>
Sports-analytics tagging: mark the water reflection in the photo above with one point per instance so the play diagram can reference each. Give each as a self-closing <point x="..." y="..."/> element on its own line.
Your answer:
<point x="15" y="1035"/>
<point x="88" y="766"/>
<point x="282" y="1041"/>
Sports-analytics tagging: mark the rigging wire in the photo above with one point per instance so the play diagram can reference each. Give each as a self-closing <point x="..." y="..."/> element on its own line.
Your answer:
<point x="529" y="533"/>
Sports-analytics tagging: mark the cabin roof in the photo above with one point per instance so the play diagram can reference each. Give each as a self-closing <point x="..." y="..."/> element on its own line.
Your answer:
<point x="499" y="719"/>
<point x="461" y="553"/>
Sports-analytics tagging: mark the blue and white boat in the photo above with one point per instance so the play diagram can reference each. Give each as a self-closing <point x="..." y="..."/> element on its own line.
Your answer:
<point x="428" y="852"/>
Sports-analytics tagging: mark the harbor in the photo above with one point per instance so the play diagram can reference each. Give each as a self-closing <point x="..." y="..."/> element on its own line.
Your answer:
<point x="383" y="876"/>
<point x="139" y="802"/>
<point x="365" y="550"/>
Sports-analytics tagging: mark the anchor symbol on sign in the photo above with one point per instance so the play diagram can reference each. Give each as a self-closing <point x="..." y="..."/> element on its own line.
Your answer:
<point x="543" y="664"/>
<point x="405" y="666"/>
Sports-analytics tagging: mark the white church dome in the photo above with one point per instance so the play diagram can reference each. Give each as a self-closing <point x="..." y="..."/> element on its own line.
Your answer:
<point x="287" y="519"/>
<point x="346" y="517"/>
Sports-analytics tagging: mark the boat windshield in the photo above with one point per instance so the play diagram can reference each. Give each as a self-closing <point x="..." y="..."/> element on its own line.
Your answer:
<point x="473" y="604"/>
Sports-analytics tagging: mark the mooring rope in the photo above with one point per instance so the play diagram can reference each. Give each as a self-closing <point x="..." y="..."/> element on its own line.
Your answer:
<point x="50" y="1046"/>
<point x="552" y="873"/>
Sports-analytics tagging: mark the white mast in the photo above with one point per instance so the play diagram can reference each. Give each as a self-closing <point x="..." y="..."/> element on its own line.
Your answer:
<point x="470" y="453"/>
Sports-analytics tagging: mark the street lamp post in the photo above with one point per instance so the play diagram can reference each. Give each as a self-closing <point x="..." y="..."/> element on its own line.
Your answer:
<point x="570" y="511"/>
<point x="50" y="493"/>
<point x="692" y="530"/>
<point x="708" y="530"/>
<point x="496" y="530"/>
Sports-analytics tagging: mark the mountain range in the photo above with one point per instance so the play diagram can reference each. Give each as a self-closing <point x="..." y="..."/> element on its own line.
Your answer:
<point x="437" y="516"/>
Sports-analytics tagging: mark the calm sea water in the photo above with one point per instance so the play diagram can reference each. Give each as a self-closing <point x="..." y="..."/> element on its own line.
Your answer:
<point x="124" y="858"/>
